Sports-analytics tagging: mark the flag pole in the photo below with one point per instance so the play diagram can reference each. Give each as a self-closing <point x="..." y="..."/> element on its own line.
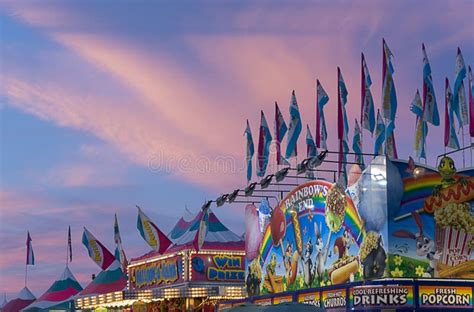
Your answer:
<point x="26" y="273"/>
<point x="67" y="251"/>
<point x="463" y="153"/>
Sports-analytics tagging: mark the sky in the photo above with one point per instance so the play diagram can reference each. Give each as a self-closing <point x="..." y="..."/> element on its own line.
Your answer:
<point x="107" y="105"/>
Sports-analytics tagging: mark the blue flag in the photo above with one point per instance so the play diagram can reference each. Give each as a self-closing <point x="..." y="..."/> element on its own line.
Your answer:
<point x="294" y="129"/>
<point x="311" y="149"/>
<point x="311" y="146"/>
<point x="421" y="127"/>
<point x="264" y="140"/>
<point x="342" y="123"/>
<point x="280" y="131"/>
<point x="389" y="95"/>
<point x="357" y="145"/>
<point x="450" y="137"/>
<point x="367" y="112"/>
<point x="430" y="105"/>
<point x="321" y="131"/>
<point x="379" y="135"/>
<point x="459" y="105"/>
<point x="250" y="151"/>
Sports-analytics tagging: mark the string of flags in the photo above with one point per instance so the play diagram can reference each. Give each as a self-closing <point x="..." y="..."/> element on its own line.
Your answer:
<point x="459" y="112"/>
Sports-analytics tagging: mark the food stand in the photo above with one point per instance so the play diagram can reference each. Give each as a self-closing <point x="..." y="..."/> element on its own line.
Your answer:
<point x="398" y="236"/>
<point x="186" y="279"/>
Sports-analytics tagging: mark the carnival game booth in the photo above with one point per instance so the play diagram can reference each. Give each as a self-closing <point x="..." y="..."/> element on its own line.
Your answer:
<point x="205" y="264"/>
<point x="399" y="235"/>
<point x="105" y="291"/>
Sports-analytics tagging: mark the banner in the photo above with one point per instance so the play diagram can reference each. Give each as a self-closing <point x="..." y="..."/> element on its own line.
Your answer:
<point x="444" y="297"/>
<point x="282" y="299"/>
<point x="311" y="298"/>
<point x="218" y="268"/>
<point x="156" y="273"/>
<point x="334" y="299"/>
<point x="381" y="297"/>
<point x="263" y="301"/>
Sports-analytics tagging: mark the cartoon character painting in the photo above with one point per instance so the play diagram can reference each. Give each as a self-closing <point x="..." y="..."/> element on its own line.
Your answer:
<point x="425" y="246"/>
<point x="433" y="236"/>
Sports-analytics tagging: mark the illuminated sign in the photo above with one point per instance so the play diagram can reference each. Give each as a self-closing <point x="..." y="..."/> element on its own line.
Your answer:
<point x="334" y="299"/>
<point x="288" y="298"/>
<point x="364" y="297"/>
<point x="263" y="301"/>
<point x="155" y="273"/>
<point x="227" y="268"/>
<point x="444" y="297"/>
<point x="218" y="268"/>
<point x="311" y="298"/>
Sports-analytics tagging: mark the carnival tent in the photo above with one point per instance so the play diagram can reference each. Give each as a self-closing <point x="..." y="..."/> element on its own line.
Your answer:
<point x="25" y="298"/>
<point x="182" y="225"/>
<point x="4" y="303"/>
<point x="110" y="280"/>
<point x="59" y="295"/>
<point x="218" y="236"/>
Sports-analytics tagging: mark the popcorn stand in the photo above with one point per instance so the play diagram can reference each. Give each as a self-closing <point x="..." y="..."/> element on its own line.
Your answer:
<point x="398" y="236"/>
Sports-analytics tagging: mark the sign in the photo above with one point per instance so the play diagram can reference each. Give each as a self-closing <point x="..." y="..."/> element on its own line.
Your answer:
<point x="263" y="301"/>
<point x="218" y="268"/>
<point x="311" y="298"/>
<point x="153" y="274"/>
<point x="444" y="297"/>
<point x="281" y="299"/>
<point x="380" y="297"/>
<point x="438" y="243"/>
<point x="334" y="299"/>
<point x="311" y="240"/>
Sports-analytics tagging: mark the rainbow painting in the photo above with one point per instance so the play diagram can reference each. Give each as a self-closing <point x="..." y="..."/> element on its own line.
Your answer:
<point x="352" y="221"/>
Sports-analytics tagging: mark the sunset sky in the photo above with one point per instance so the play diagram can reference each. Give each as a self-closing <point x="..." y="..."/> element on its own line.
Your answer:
<point x="105" y="105"/>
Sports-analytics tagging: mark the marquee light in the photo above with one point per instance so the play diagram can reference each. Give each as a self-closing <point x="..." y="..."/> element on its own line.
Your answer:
<point x="206" y="205"/>
<point x="265" y="182"/>
<point x="221" y="200"/>
<point x="316" y="161"/>
<point x="249" y="189"/>
<point x="281" y="174"/>
<point x="302" y="167"/>
<point x="233" y="195"/>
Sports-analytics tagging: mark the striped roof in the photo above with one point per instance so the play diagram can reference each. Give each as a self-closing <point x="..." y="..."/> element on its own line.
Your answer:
<point x="182" y="225"/>
<point x="109" y="280"/>
<point x="59" y="293"/>
<point x="218" y="237"/>
<point x="25" y="297"/>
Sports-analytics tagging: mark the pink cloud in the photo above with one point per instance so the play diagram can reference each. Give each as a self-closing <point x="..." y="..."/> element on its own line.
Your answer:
<point x="177" y="113"/>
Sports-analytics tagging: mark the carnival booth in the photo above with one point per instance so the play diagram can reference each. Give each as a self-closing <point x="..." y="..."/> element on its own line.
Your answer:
<point x="205" y="263"/>
<point x="105" y="291"/>
<point x="399" y="235"/>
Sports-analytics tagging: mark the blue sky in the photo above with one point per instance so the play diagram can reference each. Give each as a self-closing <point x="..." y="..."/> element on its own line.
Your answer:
<point x="92" y="92"/>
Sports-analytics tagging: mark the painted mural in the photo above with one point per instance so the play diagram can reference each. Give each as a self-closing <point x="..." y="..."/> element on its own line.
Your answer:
<point x="432" y="233"/>
<point x="317" y="236"/>
<point x="392" y="219"/>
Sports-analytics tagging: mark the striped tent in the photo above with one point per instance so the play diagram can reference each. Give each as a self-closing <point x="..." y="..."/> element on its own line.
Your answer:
<point x="182" y="225"/>
<point x="59" y="295"/>
<point x="25" y="298"/>
<point x="218" y="236"/>
<point x="4" y="303"/>
<point x="109" y="280"/>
